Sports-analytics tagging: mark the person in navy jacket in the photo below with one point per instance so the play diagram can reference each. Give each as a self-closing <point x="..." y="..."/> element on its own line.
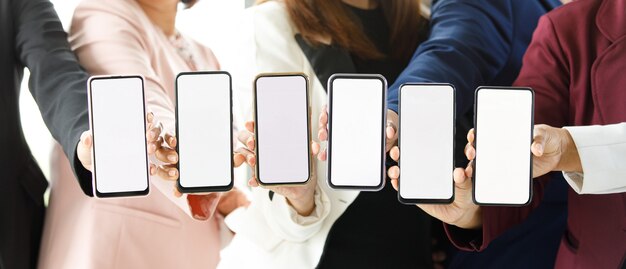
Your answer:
<point x="482" y="42"/>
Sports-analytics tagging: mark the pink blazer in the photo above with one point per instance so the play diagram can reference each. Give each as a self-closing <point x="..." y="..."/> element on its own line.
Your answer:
<point x="116" y="37"/>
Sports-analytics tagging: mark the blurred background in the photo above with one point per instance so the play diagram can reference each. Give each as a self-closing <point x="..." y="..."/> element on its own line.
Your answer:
<point x="209" y="22"/>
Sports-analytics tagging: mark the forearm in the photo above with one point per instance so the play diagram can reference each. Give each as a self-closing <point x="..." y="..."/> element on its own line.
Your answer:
<point x="57" y="81"/>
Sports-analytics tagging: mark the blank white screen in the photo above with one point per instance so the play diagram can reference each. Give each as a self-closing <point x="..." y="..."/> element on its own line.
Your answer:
<point x="118" y="135"/>
<point x="427" y="141"/>
<point x="503" y="138"/>
<point x="204" y="130"/>
<point x="356" y="135"/>
<point x="282" y="129"/>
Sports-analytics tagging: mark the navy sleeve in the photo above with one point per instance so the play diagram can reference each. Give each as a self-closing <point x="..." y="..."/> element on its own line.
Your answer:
<point x="469" y="43"/>
<point x="57" y="81"/>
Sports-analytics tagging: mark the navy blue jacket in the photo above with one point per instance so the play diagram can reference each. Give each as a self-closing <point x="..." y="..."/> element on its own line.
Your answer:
<point x="481" y="42"/>
<point x="473" y="43"/>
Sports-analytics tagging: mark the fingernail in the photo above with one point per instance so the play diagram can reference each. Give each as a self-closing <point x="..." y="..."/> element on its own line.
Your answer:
<point x="172" y="158"/>
<point x="172" y="173"/>
<point x="152" y="147"/>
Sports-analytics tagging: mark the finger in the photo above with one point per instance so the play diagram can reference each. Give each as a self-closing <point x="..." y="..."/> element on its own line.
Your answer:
<point x="252" y="182"/>
<point x="238" y="159"/>
<point x="394" y="153"/>
<point x="154" y="132"/>
<point x="315" y="148"/>
<point x="539" y="141"/>
<point x="250" y="126"/>
<point x="150" y="118"/>
<point x="470" y="152"/>
<point x="249" y="156"/>
<point x="390" y="130"/>
<point x="469" y="170"/>
<point x="470" y="136"/>
<point x="322" y="156"/>
<point x="323" y="119"/>
<point x="247" y="138"/>
<point x="322" y="134"/>
<point x="394" y="172"/>
<point x="394" y="184"/>
<point x="459" y="175"/>
<point x="86" y="140"/>
<point x="177" y="193"/>
<point x="170" y="140"/>
<point x="153" y="169"/>
<point x="167" y="172"/>
<point x="167" y="155"/>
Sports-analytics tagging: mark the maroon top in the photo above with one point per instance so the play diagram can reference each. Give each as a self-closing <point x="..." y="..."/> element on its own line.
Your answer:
<point x="576" y="63"/>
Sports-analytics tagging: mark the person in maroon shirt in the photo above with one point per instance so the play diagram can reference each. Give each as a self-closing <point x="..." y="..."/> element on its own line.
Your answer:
<point x="576" y="63"/>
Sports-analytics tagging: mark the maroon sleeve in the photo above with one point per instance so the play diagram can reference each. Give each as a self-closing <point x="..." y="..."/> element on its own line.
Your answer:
<point x="545" y="69"/>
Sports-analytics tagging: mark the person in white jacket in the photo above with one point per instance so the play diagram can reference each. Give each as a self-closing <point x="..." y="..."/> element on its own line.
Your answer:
<point x="291" y="227"/>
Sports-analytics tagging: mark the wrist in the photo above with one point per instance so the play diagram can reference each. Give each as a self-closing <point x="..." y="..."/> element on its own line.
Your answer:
<point x="569" y="160"/>
<point x="304" y="205"/>
<point x="471" y="219"/>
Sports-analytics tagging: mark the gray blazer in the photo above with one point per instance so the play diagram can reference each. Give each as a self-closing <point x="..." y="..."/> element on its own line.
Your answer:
<point x="32" y="36"/>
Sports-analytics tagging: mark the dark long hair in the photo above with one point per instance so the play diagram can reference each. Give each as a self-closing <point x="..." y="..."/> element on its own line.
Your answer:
<point x="322" y="19"/>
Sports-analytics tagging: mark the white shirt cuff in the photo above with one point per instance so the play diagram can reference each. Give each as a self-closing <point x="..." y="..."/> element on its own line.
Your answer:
<point x="599" y="149"/>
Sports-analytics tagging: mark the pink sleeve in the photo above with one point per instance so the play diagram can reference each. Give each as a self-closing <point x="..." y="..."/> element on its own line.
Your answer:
<point x="109" y="43"/>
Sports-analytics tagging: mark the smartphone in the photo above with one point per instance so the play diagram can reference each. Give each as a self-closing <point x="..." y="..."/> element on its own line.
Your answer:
<point x="503" y="122"/>
<point x="117" y="119"/>
<point x="204" y="124"/>
<point x="426" y="139"/>
<point x="282" y="129"/>
<point x="357" y="115"/>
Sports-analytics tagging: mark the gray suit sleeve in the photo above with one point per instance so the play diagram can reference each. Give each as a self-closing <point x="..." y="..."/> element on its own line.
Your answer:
<point x="57" y="81"/>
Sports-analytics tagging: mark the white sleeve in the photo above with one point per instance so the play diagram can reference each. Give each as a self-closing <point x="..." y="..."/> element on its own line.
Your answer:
<point x="252" y="58"/>
<point x="291" y="226"/>
<point x="602" y="151"/>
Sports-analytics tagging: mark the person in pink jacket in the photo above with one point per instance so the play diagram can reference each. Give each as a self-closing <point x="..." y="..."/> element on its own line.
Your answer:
<point x="163" y="229"/>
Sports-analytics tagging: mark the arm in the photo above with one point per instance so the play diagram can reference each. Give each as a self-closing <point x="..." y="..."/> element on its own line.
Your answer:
<point x="546" y="71"/>
<point x="109" y="41"/>
<point x="57" y="82"/>
<point x="469" y="43"/>
<point x="601" y="150"/>
<point x="260" y="38"/>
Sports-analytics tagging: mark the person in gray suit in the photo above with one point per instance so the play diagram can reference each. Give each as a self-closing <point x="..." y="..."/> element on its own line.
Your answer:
<point x="31" y="36"/>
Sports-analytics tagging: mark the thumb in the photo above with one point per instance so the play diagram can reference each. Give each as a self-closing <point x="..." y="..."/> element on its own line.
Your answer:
<point x="86" y="140"/>
<point x="83" y="150"/>
<point x="539" y="141"/>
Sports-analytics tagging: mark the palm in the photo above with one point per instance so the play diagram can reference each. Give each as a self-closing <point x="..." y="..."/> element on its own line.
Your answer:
<point x="451" y="213"/>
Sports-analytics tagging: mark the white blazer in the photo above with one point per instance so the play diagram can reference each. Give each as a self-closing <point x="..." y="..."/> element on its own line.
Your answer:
<point x="602" y="151"/>
<point x="270" y="233"/>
